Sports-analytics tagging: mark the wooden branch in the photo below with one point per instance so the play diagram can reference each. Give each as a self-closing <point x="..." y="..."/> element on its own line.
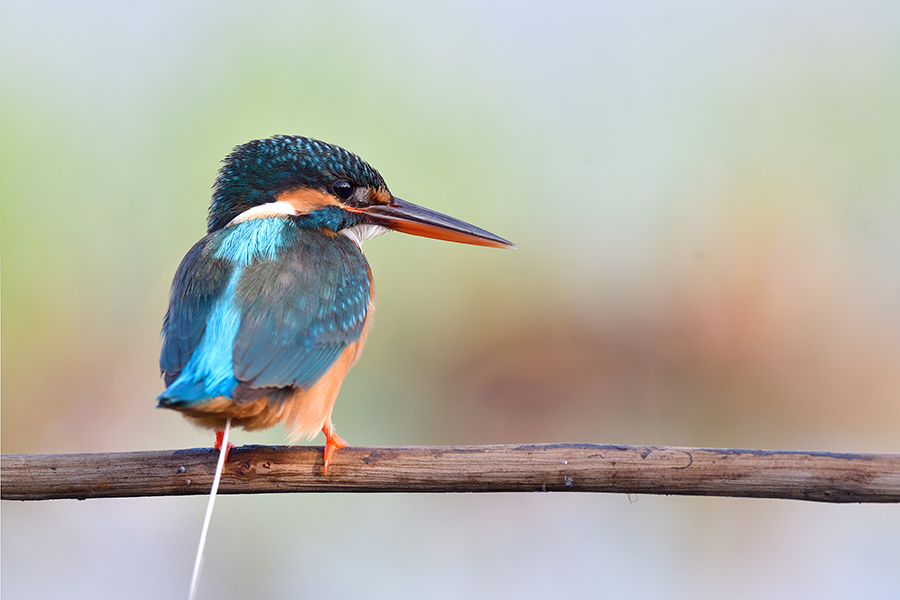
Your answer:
<point x="817" y="476"/>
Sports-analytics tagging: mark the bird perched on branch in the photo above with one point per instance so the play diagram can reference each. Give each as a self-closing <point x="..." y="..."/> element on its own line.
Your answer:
<point x="270" y="310"/>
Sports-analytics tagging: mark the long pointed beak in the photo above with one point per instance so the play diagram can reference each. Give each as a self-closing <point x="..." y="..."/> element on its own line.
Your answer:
<point x="407" y="217"/>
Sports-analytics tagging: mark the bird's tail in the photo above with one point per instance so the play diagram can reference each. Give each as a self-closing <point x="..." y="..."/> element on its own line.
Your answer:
<point x="220" y="466"/>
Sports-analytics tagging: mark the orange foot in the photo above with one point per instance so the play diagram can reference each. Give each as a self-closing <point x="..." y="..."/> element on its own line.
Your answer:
<point x="218" y="445"/>
<point x="332" y="442"/>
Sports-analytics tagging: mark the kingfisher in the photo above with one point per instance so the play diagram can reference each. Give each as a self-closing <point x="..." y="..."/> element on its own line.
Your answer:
<point x="268" y="311"/>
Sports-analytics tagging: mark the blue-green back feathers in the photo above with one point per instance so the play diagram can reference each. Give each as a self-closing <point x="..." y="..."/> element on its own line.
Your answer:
<point x="300" y="310"/>
<point x="258" y="306"/>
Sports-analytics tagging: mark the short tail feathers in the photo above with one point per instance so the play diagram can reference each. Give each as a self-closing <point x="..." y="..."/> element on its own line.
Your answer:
<point x="182" y="393"/>
<point x="186" y="391"/>
<point x="220" y="466"/>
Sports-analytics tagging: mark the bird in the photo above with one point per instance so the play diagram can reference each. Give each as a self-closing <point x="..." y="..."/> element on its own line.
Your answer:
<point x="272" y="307"/>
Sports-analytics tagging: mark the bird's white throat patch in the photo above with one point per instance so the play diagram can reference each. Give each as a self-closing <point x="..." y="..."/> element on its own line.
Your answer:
<point x="364" y="231"/>
<point x="358" y="233"/>
<point x="269" y="209"/>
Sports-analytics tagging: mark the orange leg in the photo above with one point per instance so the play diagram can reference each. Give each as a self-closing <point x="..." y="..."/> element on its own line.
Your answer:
<point x="218" y="445"/>
<point x="332" y="442"/>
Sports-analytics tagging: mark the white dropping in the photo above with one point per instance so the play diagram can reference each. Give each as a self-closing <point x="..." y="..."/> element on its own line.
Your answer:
<point x="209" y="510"/>
<point x="364" y="231"/>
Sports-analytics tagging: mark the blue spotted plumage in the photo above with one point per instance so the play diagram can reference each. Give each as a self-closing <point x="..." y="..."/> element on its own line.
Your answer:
<point x="271" y="308"/>
<point x="293" y="301"/>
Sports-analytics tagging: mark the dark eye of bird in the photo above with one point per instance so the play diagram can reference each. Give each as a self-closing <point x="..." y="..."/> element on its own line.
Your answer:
<point x="342" y="188"/>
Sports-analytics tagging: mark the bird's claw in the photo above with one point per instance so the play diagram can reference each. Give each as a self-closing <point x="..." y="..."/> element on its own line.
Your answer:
<point x="220" y="435"/>
<point x="332" y="442"/>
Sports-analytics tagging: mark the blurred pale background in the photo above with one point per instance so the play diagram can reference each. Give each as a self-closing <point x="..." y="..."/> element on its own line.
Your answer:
<point x="706" y="198"/>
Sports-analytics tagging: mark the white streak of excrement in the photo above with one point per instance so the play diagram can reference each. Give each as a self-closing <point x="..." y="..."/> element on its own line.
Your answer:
<point x="209" y="510"/>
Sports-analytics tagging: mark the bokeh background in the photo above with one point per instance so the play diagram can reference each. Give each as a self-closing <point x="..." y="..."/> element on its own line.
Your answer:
<point x="706" y="198"/>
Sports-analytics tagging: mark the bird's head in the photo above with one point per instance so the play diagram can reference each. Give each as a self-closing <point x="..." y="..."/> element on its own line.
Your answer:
<point x="324" y="187"/>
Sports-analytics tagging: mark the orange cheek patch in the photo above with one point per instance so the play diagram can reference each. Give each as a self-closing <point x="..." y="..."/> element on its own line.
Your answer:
<point x="380" y="197"/>
<point x="307" y="200"/>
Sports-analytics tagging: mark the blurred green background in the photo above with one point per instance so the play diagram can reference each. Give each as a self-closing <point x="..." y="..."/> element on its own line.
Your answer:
<point x="706" y="198"/>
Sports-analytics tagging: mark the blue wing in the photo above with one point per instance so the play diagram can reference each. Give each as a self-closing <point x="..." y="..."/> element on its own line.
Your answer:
<point x="300" y="310"/>
<point x="199" y="284"/>
<point x="279" y="317"/>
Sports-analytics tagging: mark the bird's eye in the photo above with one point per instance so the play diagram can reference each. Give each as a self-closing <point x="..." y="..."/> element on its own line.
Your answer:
<point x="342" y="188"/>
